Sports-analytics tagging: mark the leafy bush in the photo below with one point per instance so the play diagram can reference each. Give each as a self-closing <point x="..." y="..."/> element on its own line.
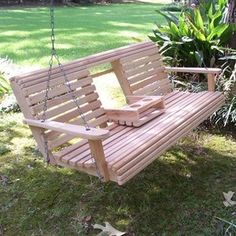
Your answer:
<point x="173" y="7"/>
<point x="9" y="104"/>
<point x="4" y="86"/>
<point x="227" y="113"/>
<point x="196" y="37"/>
<point x="7" y="99"/>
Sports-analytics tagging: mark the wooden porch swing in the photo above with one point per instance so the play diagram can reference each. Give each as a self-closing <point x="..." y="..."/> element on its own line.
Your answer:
<point x="115" y="145"/>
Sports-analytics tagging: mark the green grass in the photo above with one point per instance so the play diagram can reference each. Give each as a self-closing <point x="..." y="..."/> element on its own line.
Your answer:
<point x="80" y="31"/>
<point x="179" y="194"/>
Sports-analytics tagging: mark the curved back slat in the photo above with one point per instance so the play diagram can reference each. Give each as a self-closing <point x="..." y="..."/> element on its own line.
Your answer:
<point x="143" y="73"/>
<point x="60" y="104"/>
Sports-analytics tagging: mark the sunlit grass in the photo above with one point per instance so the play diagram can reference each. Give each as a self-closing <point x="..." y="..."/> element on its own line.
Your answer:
<point x="80" y="31"/>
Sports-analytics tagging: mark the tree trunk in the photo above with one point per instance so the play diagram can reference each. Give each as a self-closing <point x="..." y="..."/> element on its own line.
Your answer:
<point x="232" y="20"/>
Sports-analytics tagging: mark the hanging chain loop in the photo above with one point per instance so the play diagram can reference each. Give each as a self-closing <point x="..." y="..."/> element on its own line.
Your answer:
<point x="66" y="83"/>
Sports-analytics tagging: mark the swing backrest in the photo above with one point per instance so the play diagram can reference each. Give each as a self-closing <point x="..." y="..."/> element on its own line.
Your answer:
<point x="143" y="72"/>
<point x="30" y="92"/>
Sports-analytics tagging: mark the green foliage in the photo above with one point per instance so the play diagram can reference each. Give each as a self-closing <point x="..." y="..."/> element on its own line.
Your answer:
<point x="173" y="7"/>
<point x="7" y="99"/>
<point x="6" y="66"/>
<point x="227" y="228"/>
<point x="9" y="104"/>
<point x="227" y="113"/>
<point x="196" y="37"/>
<point x="5" y="87"/>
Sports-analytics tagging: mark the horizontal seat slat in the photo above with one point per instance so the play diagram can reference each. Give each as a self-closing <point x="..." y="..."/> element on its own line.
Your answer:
<point x="169" y="124"/>
<point x="66" y="138"/>
<point x="72" y="115"/>
<point x="77" y="119"/>
<point x="160" y="147"/>
<point x="72" y="155"/>
<point x="66" y="150"/>
<point x="132" y="133"/>
<point x="146" y="131"/>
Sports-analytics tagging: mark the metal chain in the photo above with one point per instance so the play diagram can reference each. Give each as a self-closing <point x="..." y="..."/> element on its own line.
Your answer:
<point x="47" y="158"/>
<point x="70" y="90"/>
<point x="67" y="84"/>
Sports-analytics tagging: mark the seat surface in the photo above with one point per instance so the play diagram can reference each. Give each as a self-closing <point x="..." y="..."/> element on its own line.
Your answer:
<point x="128" y="150"/>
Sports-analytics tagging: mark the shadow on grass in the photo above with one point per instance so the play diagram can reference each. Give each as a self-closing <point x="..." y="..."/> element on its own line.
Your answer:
<point x="178" y="194"/>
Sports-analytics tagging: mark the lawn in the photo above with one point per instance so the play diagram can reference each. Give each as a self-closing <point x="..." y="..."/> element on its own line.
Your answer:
<point x="80" y="31"/>
<point x="179" y="194"/>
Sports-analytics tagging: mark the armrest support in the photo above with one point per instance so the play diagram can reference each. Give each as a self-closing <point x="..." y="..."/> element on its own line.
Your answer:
<point x="91" y="134"/>
<point x="212" y="73"/>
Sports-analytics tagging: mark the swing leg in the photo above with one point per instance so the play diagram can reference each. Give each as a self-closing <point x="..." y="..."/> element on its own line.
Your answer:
<point x="98" y="154"/>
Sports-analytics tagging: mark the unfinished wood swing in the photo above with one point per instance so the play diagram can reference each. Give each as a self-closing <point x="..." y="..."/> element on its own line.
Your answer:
<point x="114" y="144"/>
<point x="120" y="151"/>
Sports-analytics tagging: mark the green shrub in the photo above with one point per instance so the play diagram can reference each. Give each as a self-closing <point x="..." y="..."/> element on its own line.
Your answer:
<point x="196" y="37"/>
<point x="9" y="104"/>
<point x="173" y="7"/>
<point x="5" y="87"/>
<point x="227" y="113"/>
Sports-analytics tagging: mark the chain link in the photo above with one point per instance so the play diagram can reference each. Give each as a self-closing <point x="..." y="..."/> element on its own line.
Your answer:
<point x="67" y="84"/>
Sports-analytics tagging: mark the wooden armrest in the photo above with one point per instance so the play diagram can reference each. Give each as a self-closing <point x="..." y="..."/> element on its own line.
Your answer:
<point x="91" y="134"/>
<point x="198" y="70"/>
<point x="212" y="73"/>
